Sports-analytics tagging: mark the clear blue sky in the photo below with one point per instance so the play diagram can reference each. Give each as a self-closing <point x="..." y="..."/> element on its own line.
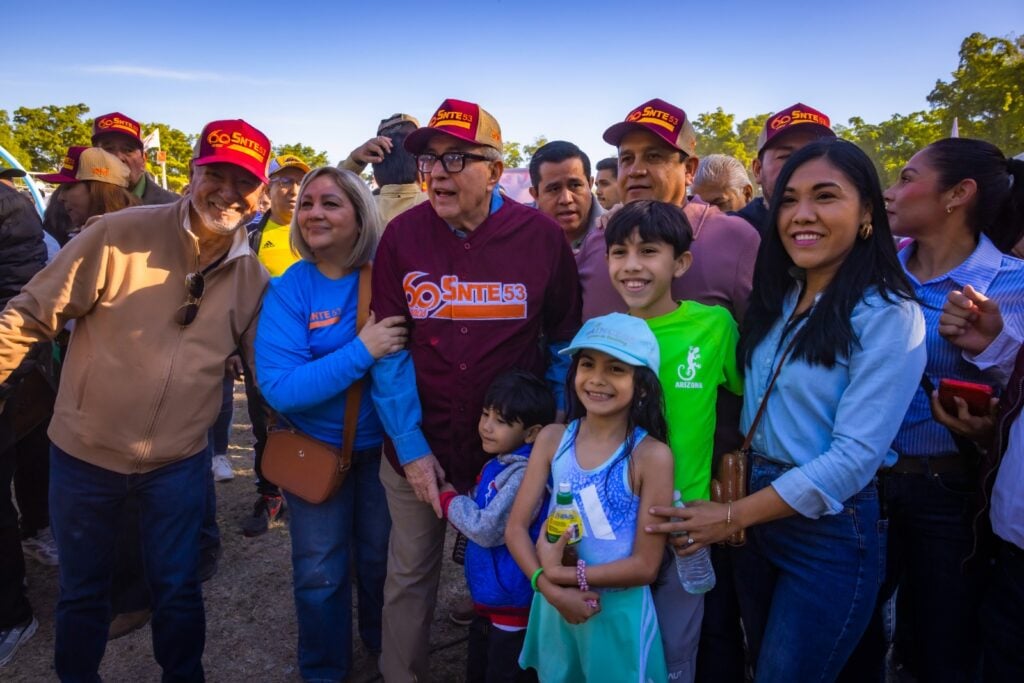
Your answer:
<point x="325" y="73"/>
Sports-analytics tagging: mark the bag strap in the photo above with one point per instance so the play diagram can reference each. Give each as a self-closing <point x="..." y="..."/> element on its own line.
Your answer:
<point x="354" y="395"/>
<point x="764" y="401"/>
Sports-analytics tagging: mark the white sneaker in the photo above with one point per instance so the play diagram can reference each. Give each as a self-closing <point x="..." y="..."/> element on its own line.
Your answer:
<point x="41" y="548"/>
<point x="12" y="638"/>
<point x="222" y="468"/>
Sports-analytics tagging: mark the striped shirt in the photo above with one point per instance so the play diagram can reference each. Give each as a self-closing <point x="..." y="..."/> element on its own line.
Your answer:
<point x="995" y="275"/>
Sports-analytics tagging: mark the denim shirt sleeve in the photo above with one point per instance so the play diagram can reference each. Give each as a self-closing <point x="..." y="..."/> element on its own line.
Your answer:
<point x="393" y="389"/>
<point x="884" y="372"/>
<point x="558" y="369"/>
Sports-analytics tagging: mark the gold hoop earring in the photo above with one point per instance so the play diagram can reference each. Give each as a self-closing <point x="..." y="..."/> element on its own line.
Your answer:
<point x="949" y="209"/>
<point x="866" y="230"/>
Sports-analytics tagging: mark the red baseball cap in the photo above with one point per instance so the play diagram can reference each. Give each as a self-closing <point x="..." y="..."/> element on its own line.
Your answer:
<point x="233" y="141"/>
<point x="667" y="121"/>
<point x="797" y="116"/>
<point x="116" y="122"/>
<point x="463" y="120"/>
<point x="68" y="168"/>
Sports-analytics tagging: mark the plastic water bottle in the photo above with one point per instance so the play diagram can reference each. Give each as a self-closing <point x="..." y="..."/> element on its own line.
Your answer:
<point x="695" y="571"/>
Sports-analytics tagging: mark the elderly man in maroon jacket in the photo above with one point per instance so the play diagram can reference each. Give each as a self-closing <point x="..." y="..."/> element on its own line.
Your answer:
<point x="487" y="285"/>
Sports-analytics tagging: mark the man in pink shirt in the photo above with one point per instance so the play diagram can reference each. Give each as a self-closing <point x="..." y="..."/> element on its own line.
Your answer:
<point x="657" y="159"/>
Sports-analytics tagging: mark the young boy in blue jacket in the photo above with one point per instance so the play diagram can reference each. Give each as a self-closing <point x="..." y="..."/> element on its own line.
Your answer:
<point x="517" y="405"/>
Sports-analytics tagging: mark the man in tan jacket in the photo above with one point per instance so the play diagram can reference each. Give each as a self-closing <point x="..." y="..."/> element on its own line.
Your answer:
<point x="160" y="296"/>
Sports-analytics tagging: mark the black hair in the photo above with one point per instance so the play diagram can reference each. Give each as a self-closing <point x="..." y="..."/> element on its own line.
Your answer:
<point x="647" y="409"/>
<point x="998" y="208"/>
<point x="519" y="396"/>
<point x="654" y="221"/>
<point x="609" y="164"/>
<point x="555" y="153"/>
<point x="870" y="265"/>
<point x="399" y="166"/>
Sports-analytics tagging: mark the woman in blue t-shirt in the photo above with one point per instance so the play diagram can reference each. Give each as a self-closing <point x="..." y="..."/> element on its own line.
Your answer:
<point x="308" y="353"/>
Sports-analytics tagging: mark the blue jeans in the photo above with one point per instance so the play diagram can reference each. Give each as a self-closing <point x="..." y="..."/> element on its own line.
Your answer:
<point x="353" y="524"/>
<point x="937" y="592"/>
<point x="807" y="587"/>
<point x="1001" y="625"/>
<point x="220" y="432"/>
<point x="209" y="534"/>
<point x="85" y="510"/>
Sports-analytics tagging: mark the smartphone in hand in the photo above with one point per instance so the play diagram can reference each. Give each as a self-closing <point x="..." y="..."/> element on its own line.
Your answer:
<point x="976" y="396"/>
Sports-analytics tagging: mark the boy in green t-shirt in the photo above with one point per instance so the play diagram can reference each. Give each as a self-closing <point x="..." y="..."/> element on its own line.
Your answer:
<point x="648" y="245"/>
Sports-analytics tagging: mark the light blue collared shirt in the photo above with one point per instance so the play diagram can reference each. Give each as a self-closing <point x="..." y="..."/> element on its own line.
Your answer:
<point x="835" y="425"/>
<point x="995" y="275"/>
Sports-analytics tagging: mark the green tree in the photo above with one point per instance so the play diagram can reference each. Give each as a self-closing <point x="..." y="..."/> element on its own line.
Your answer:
<point x="986" y="93"/>
<point x="312" y="157"/>
<point x="718" y="133"/>
<point x="531" y="149"/>
<point x="179" y="149"/>
<point x="748" y="131"/>
<point x="513" y="154"/>
<point x="891" y="143"/>
<point x="45" y="133"/>
<point x="8" y="140"/>
<point x="518" y="154"/>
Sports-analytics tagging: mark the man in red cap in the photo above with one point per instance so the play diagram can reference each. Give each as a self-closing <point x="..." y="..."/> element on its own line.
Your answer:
<point x="657" y="159"/>
<point x="161" y="297"/>
<point x="122" y="137"/>
<point x="784" y="133"/>
<point x="487" y="285"/>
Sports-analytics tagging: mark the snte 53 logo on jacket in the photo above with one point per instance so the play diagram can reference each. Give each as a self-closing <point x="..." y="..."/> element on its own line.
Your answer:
<point x="453" y="299"/>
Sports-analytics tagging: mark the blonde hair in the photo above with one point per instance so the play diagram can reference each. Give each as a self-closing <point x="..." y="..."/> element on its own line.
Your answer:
<point x="368" y="217"/>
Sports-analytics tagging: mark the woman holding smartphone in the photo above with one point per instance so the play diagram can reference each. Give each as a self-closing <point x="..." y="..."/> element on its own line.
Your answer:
<point x="959" y="200"/>
<point x="831" y="307"/>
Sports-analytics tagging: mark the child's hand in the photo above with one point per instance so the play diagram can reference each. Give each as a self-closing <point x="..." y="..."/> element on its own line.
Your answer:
<point x="573" y="604"/>
<point x="447" y="486"/>
<point x="550" y="554"/>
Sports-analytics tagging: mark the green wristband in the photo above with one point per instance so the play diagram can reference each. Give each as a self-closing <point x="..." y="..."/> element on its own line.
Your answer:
<point x="533" y="579"/>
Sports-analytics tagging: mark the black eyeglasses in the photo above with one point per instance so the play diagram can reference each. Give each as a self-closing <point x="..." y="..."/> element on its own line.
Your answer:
<point x="451" y="162"/>
<point x="195" y="283"/>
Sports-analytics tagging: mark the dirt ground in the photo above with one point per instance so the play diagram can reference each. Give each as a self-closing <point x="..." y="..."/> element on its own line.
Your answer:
<point x="250" y="617"/>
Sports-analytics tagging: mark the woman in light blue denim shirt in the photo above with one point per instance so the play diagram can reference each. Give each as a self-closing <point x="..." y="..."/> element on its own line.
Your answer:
<point x="827" y="276"/>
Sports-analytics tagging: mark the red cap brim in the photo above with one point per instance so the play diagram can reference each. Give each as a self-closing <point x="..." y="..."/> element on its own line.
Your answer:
<point x="219" y="159"/>
<point x="57" y="178"/>
<point x="613" y="136"/>
<point x="419" y="138"/>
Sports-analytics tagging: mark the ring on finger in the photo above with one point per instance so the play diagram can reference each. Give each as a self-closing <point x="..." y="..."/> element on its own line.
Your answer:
<point x="690" y="541"/>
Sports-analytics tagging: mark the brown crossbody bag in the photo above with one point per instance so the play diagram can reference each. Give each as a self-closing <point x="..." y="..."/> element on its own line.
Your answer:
<point x="730" y="482"/>
<point x="307" y="467"/>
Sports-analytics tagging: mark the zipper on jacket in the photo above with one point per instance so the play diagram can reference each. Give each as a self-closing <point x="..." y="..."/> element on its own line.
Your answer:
<point x="148" y="438"/>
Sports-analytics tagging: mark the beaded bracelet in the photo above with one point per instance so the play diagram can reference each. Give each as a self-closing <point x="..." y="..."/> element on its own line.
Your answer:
<point x="581" y="579"/>
<point x="533" y="579"/>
